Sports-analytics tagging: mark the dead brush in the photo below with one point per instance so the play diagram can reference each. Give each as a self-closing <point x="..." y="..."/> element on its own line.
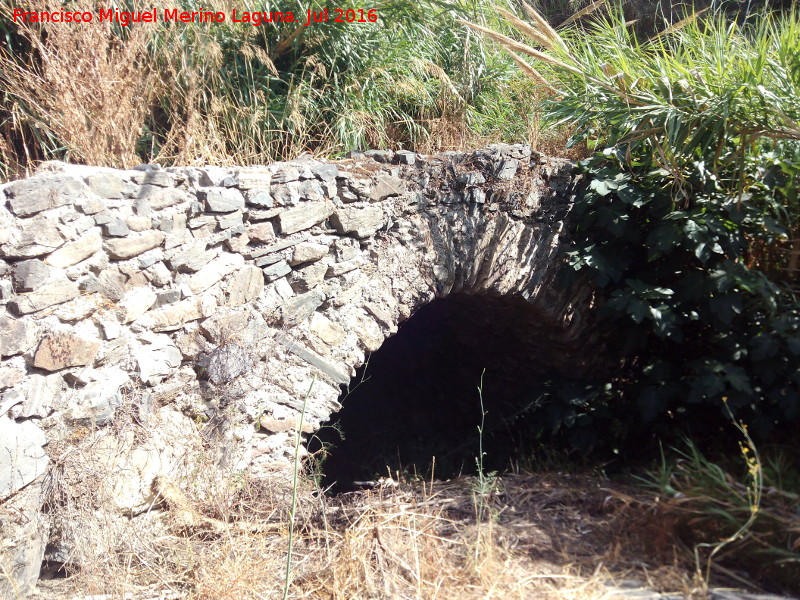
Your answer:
<point x="564" y="537"/>
<point x="89" y="86"/>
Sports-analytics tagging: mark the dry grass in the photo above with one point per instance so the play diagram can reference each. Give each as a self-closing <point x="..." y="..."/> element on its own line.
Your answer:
<point x="566" y="537"/>
<point x="89" y="88"/>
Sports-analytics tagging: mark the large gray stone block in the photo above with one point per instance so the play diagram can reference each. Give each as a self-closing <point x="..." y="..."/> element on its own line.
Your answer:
<point x="50" y="294"/>
<point x="43" y="192"/>
<point x="30" y="275"/>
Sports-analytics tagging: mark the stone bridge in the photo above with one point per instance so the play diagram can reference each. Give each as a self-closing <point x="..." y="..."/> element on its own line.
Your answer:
<point x="147" y="313"/>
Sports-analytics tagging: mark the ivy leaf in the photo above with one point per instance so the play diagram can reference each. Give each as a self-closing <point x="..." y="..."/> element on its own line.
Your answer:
<point x="652" y="402"/>
<point x="600" y="186"/>
<point x="764" y="346"/>
<point x="738" y="379"/>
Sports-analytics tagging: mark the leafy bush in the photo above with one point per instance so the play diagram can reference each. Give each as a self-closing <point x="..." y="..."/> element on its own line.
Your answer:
<point x="689" y="216"/>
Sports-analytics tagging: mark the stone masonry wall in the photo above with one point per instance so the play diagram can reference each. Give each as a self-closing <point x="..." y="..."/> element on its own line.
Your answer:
<point x="192" y="301"/>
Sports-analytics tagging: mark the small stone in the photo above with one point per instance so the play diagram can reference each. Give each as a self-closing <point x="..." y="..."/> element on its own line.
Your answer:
<point x="223" y="200"/>
<point x="381" y="156"/>
<point x="137" y="223"/>
<point x="112" y="284"/>
<point x="158" y="198"/>
<point x="156" y="178"/>
<point x="285" y="174"/>
<point x="308" y="252"/>
<point x="16" y="335"/>
<point x="476" y="195"/>
<point x="340" y="268"/>
<point x="386" y="186"/>
<point x="363" y="222"/>
<point x="245" y="285"/>
<point x="141" y="208"/>
<point x="308" y="277"/>
<point x="329" y="332"/>
<point x="301" y="307"/>
<point x="202" y="221"/>
<point x="238" y="243"/>
<point x="256" y="215"/>
<point x="173" y="316"/>
<point x="61" y="350"/>
<point x="156" y="358"/>
<point x="405" y="157"/>
<point x="262" y="233"/>
<point x="507" y="169"/>
<point x="190" y="257"/>
<point x="129" y="247"/>
<point x="150" y="258"/>
<point x="346" y="249"/>
<point x="159" y="274"/>
<point x="96" y="403"/>
<point x="75" y="310"/>
<point x="116" y="228"/>
<point x="30" y="275"/>
<point x="224" y="364"/>
<point x="215" y="271"/>
<point x="304" y="216"/>
<point x="51" y="294"/>
<point x="270" y="259"/>
<point x="230" y="220"/>
<point x="90" y="206"/>
<point x="471" y="178"/>
<point x="311" y="190"/>
<point x="110" y="329"/>
<point x="43" y="394"/>
<point x="261" y="199"/>
<point x="325" y="171"/>
<point x="286" y="194"/>
<point x="254" y="179"/>
<point x="166" y="297"/>
<point x="89" y="284"/>
<point x="72" y="253"/>
<point x="11" y="373"/>
<point x="136" y="302"/>
<point x="103" y="217"/>
<point x="277" y="271"/>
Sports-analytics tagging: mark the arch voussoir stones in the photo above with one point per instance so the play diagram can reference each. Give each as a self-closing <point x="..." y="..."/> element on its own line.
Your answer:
<point x="195" y="304"/>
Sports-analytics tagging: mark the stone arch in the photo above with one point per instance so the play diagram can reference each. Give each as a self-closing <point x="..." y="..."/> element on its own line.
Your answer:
<point x="220" y="294"/>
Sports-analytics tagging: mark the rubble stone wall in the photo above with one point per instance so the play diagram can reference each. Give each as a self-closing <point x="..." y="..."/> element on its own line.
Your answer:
<point x="197" y="298"/>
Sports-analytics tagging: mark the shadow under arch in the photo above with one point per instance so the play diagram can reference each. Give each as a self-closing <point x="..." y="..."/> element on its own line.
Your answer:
<point x="417" y="396"/>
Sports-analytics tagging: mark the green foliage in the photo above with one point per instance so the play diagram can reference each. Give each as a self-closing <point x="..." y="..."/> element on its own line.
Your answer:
<point x="699" y="171"/>
<point x="689" y="205"/>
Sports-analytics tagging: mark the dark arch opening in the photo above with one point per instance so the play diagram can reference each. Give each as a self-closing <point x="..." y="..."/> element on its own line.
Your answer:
<point x="417" y="397"/>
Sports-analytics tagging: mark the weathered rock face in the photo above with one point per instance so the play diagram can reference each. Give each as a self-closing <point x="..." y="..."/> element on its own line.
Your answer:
<point x="220" y="295"/>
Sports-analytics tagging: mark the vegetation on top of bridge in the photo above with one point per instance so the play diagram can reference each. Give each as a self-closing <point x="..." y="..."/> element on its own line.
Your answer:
<point x="233" y="93"/>
<point x="690" y="222"/>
